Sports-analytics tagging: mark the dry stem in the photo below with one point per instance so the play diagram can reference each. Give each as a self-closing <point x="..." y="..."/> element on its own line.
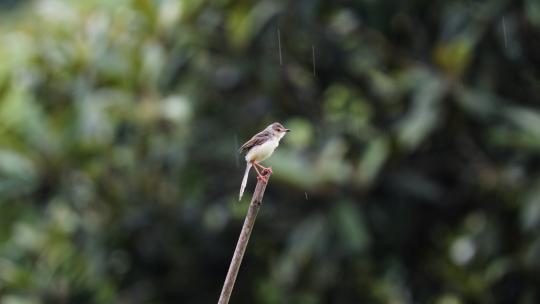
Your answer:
<point x="256" y="202"/>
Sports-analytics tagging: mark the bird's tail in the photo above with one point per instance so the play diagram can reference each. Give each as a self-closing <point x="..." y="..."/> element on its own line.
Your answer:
<point x="244" y="181"/>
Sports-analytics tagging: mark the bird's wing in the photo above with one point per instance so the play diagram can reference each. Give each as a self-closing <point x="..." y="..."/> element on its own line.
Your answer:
<point x="256" y="140"/>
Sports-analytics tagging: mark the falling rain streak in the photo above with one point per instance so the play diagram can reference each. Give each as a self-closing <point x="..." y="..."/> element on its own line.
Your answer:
<point x="236" y="150"/>
<point x="313" y="57"/>
<point x="279" y="47"/>
<point x="505" y="36"/>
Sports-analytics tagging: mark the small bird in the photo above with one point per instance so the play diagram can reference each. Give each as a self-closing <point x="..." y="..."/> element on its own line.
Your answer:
<point x="259" y="148"/>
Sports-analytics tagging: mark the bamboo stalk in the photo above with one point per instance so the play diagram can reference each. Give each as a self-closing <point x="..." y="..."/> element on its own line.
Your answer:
<point x="243" y="239"/>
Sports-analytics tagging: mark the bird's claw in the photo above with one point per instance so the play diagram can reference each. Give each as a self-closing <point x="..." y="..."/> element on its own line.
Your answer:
<point x="262" y="178"/>
<point x="267" y="170"/>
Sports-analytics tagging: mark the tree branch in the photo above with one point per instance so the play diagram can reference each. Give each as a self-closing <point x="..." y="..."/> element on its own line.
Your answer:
<point x="256" y="202"/>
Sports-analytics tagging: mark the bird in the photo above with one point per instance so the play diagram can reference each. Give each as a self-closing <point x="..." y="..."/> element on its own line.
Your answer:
<point x="260" y="147"/>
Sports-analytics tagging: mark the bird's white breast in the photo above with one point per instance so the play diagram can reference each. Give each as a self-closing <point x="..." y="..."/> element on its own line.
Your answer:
<point x="263" y="151"/>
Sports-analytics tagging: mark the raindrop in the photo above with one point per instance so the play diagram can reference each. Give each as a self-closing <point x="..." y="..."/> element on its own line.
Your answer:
<point x="313" y="57"/>
<point x="236" y="150"/>
<point x="279" y="47"/>
<point x="505" y="35"/>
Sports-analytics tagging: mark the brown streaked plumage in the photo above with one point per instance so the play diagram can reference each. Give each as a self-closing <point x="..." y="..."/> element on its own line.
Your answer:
<point x="256" y="140"/>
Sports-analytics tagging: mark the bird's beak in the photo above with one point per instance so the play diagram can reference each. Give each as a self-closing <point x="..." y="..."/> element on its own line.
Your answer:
<point x="287" y="130"/>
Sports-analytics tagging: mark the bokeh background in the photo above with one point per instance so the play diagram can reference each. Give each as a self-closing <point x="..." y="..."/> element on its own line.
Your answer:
<point x="411" y="174"/>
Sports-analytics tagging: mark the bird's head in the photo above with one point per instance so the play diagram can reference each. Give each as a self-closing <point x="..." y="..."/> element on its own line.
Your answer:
<point x="278" y="129"/>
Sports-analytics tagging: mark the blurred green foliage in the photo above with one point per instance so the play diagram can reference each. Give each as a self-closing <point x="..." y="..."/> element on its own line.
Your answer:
<point x="411" y="174"/>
